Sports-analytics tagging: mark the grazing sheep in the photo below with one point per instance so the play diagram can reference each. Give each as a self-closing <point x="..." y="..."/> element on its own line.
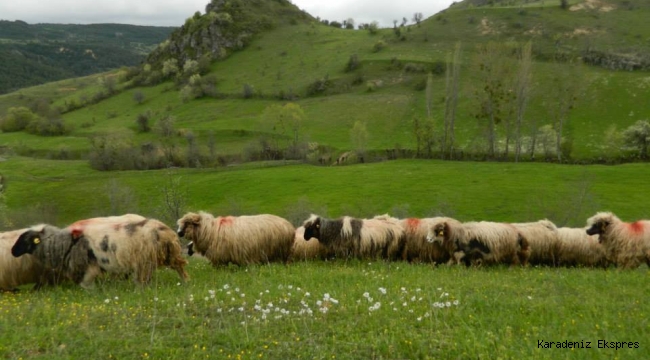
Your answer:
<point x="240" y="240"/>
<point x="59" y="253"/>
<point x="82" y="251"/>
<point x="416" y="246"/>
<point x="17" y="271"/>
<point x="380" y="237"/>
<point x="477" y="243"/>
<point x="543" y="239"/>
<point x="626" y="244"/>
<point x="577" y="248"/>
<point x="310" y="249"/>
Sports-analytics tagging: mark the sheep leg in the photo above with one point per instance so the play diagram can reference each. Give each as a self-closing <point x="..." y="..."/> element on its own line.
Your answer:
<point x="88" y="281"/>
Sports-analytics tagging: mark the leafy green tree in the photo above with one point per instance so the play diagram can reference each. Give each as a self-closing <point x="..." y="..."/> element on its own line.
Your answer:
<point x="638" y="136"/>
<point x="17" y="119"/>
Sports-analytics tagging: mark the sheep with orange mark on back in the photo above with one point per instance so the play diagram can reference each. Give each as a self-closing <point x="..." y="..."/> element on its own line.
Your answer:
<point x="577" y="248"/>
<point x="347" y="237"/>
<point x="543" y="239"/>
<point x="310" y="249"/>
<point x="626" y="244"/>
<point x="480" y="243"/>
<point x="240" y="240"/>
<point x="416" y="246"/>
<point x="18" y="271"/>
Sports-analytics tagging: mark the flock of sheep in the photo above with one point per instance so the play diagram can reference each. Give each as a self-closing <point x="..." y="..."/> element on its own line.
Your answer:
<point x="135" y="246"/>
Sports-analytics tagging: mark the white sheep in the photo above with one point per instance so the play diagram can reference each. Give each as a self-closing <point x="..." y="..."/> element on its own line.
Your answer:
<point x="477" y="243"/>
<point x="542" y="237"/>
<point x="416" y="246"/>
<point x="626" y="244"/>
<point x="18" y="271"/>
<point x="577" y="248"/>
<point x="239" y="240"/>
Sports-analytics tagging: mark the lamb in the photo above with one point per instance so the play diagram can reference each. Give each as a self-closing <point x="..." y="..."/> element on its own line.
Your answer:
<point x="117" y="245"/>
<point x="477" y="243"/>
<point x="240" y="240"/>
<point x="577" y="248"/>
<point x="626" y="244"/>
<point x="310" y="249"/>
<point x="380" y="237"/>
<point x="543" y="239"/>
<point x="416" y="246"/>
<point x="18" y="271"/>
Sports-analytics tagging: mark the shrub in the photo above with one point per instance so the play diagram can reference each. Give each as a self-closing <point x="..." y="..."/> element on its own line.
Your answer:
<point x="48" y="127"/>
<point x="138" y="97"/>
<point x="353" y="63"/>
<point x="319" y="86"/>
<point x="414" y="68"/>
<point x="142" y="122"/>
<point x="379" y="46"/>
<point x="17" y="119"/>
<point x="248" y="91"/>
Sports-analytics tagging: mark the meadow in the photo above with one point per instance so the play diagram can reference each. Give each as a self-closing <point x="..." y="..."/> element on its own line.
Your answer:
<point x="335" y="310"/>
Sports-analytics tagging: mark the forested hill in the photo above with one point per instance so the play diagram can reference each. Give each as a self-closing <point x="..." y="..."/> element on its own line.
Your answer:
<point x="32" y="54"/>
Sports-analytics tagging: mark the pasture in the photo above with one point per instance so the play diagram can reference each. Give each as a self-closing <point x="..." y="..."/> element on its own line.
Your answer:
<point x="339" y="309"/>
<point x="334" y="310"/>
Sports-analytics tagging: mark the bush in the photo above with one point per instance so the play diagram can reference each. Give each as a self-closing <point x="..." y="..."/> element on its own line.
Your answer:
<point x="248" y="91"/>
<point x="138" y="97"/>
<point x="48" y="127"/>
<point x="17" y="119"/>
<point x="353" y="63"/>
<point x="319" y="86"/>
<point x="414" y="68"/>
<point x="142" y="122"/>
<point x="379" y="46"/>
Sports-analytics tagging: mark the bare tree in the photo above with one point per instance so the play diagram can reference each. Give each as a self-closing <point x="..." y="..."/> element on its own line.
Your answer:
<point x="172" y="198"/>
<point x="522" y="93"/>
<point x="451" y="101"/>
<point x="568" y="86"/>
<point x="429" y="94"/>
<point x="417" y="18"/>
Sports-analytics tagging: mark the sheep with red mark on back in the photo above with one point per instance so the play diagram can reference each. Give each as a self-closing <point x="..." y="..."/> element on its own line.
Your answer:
<point x="626" y="244"/>
<point x="240" y="240"/>
<point x="416" y="246"/>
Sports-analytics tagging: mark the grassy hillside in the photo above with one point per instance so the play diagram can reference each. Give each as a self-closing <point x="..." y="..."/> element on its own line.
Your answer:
<point x="33" y="54"/>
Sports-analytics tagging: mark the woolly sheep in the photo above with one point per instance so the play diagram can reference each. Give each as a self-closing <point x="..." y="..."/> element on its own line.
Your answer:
<point x="542" y="237"/>
<point x="59" y="253"/>
<point x="18" y="271"/>
<point x="416" y="246"/>
<point x="380" y="237"/>
<point x="240" y="240"/>
<point x="577" y="248"/>
<point x="130" y="244"/>
<point x="476" y="243"/>
<point x="310" y="249"/>
<point x="626" y="244"/>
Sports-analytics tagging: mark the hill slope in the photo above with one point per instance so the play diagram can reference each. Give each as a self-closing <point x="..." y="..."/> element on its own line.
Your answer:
<point x="32" y="54"/>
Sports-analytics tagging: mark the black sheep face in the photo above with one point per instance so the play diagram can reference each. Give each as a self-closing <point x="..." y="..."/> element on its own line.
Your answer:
<point x="313" y="230"/>
<point x="27" y="243"/>
<point x="599" y="227"/>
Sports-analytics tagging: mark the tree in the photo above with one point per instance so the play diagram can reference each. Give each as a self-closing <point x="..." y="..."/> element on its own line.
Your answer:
<point x="138" y="97"/>
<point x="423" y="130"/>
<point x="564" y="4"/>
<point x="172" y="198"/>
<point x="494" y="94"/>
<point x="359" y="137"/>
<point x="286" y="122"/>
<point x="373" y="28"/>
<point x="638" y="136"/>
<point x="417" y="18"/>
<point x="568" y="83"/>
<point x="349" y="23"/>
<point x="522" y="93"/>
<point x="17" y="119"/>
<point x="452" y="87"/>
<point x="142" y="122"/>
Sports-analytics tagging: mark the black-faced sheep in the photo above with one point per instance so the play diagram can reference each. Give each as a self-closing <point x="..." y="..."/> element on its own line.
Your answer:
<point x="239" y="240"/>
<point x="18" y="271"/>
<point x="626" y="244"/>
<point x="310" y="249"/>
<point x="478" y="243"/>
<point x="120" y="245"/>
<point x="416" y="246"/>
<point x="377" y="238"/>
<point x="543" y="240"/>
<point x="59" y="253"/>
<point x="577" y="248"/>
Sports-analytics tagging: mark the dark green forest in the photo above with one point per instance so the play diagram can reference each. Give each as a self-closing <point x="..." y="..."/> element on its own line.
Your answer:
<point x="32" y="54"/>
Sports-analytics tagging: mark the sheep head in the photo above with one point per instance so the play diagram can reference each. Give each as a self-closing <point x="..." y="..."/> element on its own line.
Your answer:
<point x="27" y="242"/>
<point x="599" y="223"/>
<point x="438" y="232"/>
<point x="188" y="225"/>
<point x="312" y="227"/>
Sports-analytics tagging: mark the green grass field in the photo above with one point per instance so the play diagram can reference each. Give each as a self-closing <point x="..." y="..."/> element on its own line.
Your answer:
<point x="334" y="310"/>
